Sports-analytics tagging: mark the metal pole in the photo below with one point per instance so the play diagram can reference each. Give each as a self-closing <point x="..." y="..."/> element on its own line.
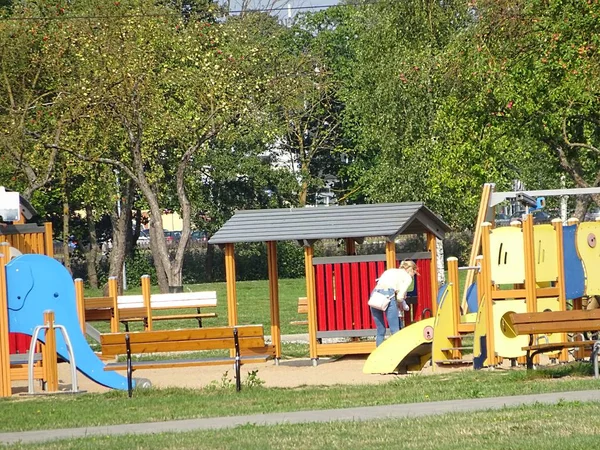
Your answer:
<point x="595" y="349"/>
<point x="129" y="366"/>
<point x="238" y="382"/>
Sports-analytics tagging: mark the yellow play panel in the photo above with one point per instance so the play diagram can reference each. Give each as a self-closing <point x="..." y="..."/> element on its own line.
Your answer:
<point x="588" y="246"/>
<point x="545" y="253"/>
<point x="506" y="344"/>
<point x="506" y="255"/>
<point x="413" y="341"/>
<point x="444" y="325"/>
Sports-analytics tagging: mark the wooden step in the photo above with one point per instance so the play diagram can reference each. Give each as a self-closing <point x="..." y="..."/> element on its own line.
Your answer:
<point x="454" y="362"/>
<point x="457" y="348"/>
<point x="467" y="327"/>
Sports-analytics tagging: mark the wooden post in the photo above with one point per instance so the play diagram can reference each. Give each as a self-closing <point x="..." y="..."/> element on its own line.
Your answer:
<point x="311" y="301"/>
<point x="274" y="298"/>
<point x="486" y="279"/>
<point x="529" y="254"/>
<point x="232" y="316"/>
<point x="390" y="254"/>
<point x="146" y="295"/>
<point x="80" y="300"/>
<point x="230" y="277"/>
<point x="350" y="246"/>
<point x="5" y="383"/>
<point x="453" y="281"/>
<point x="481" y="217"/>
<point x="113" y="292"/>
<point x="50" y="360"/>
<point x="48" y="244"/>
<point x="432" y="247"/>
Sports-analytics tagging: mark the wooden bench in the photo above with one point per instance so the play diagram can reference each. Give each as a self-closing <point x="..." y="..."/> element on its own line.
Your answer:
<point x="302" y="309"/>
<point x="547" y="322"/>
<point x="135" y="308"/>
<point x="139" y="308"/>
<point x="242" y="337"/>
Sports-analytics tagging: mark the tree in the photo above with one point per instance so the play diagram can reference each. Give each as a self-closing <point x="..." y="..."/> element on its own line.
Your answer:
<point x="33" y="108"/>
<point x="167" y="89"/>
<point x="529" y="73"/>
<point x="392" y="96"/>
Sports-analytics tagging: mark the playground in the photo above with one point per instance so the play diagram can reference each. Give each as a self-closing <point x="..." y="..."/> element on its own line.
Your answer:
<point x="514" y="314"/>
<point x="524" y="309"/>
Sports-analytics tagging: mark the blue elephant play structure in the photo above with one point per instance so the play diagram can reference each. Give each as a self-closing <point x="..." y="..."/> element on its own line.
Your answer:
<point x="37" y="283"/>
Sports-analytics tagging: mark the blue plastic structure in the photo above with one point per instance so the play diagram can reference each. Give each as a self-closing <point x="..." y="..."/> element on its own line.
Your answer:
<point x="574" y="273"/>
<point x="36" y="283"/>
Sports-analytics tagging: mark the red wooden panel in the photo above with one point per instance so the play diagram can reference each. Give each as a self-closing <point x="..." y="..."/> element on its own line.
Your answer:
<point x="320" y="293"/>
<point x="367" y="320"/>
<point x="339" y="297"/>
<point x="330" y="311"/>
<point x="347" y="298"/>
<point x="18" y="343"/>
<point x="423" y="281"/>
<point x="373" y="275"/>
<point x="380" y="270"/>
<point x="357" y="312"/>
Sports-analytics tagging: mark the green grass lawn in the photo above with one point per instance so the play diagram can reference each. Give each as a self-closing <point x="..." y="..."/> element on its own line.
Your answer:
<point x="565" y="426"/>
<point x="220" y="398"/>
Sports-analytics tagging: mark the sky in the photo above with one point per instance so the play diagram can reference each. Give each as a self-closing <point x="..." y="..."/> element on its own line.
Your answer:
<point x="297" y="6"/>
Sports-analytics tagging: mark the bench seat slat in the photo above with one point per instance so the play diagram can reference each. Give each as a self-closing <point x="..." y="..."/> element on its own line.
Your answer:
<point x="180" y="346"/>
<point x="140" y="365"/>
<point x="556" y="327"/>
<point x="98" y="302"/>
<point x="97" y="315"/>
<point x="182" y="334"/>
<point x="559" y="345"/>
<point x="553" y="316"/>
<point x="133" y="314"/>
<point x="302" y="305"/>
<point x="185" y="316"/>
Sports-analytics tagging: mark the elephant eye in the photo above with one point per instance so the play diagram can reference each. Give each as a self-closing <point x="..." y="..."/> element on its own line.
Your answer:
<point x="591" y="239"/>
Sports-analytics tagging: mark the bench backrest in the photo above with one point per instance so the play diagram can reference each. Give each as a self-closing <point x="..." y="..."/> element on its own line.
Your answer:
<point x="170" y="301"/>
<point x="249" y="336"/>
<point x="302" y="305"/>
<point x="98" y="308"/>
<point x="573" y="321"/>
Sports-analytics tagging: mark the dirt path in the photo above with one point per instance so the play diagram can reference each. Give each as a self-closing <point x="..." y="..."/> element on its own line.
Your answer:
<point x="289" y="373"/>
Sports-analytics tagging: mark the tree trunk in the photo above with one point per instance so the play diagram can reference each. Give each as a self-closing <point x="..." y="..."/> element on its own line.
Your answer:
<point x="158" y="248"/>
<point x="121" y="223"/>
<point x="208" y="267"/>
<point x="91" y="254"/>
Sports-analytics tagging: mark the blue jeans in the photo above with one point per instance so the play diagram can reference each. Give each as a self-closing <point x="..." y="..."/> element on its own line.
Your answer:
<point x="391" y="313"/>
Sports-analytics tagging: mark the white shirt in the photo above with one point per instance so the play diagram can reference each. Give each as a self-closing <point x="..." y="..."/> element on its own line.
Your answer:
<point x="397" y="279"/>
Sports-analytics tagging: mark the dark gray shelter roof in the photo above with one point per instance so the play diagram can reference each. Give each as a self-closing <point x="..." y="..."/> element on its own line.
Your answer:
<point x="330" y="222"/>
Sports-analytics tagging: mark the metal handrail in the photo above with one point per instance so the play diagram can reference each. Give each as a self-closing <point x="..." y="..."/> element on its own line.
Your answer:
<point x="30" y="362"/>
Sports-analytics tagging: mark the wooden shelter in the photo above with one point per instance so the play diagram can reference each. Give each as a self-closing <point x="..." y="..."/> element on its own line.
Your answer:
<point x="351" y="223"/>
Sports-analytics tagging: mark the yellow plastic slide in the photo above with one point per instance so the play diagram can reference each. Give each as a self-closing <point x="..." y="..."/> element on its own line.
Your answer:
<point x="407" y="350"/>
